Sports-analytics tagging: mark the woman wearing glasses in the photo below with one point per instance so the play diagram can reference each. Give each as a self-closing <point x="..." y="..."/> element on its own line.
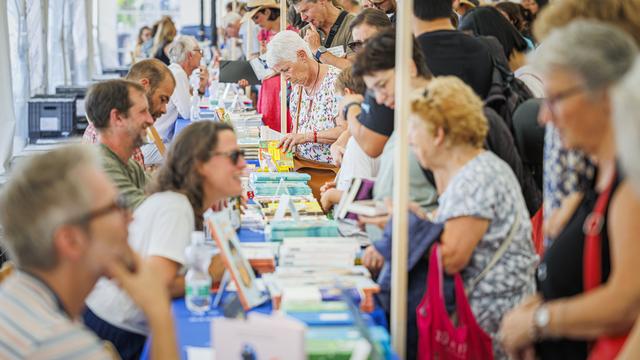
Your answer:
<point x="203" y="167"/>
<point x="587" y="279"/>
<point x="313" y="101"/>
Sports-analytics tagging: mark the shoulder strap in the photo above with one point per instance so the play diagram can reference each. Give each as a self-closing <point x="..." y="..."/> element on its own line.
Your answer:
<point x="501" y="250"/>
<point x="335" y="28"/>
<point x="300" y="89"/>
<point x="593" y="227"/>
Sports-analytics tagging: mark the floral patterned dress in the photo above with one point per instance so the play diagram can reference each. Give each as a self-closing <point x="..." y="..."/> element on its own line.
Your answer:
<point x="317" y="113"/>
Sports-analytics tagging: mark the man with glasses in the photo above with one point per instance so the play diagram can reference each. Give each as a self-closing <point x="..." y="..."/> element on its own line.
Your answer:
<point x="65" y="228"/>
<point x="120" y="112"/>
<point x="328" y="31"/>
<point x="185" y="55"/>
<point x="387" y="6"/>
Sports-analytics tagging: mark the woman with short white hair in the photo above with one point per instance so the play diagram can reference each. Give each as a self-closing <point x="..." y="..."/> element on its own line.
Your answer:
<point x="313" y="101"/>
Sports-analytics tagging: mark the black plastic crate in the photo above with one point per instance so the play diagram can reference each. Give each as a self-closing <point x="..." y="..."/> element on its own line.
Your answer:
<point x="80" y="92"/>
<point x="52" y="116"/>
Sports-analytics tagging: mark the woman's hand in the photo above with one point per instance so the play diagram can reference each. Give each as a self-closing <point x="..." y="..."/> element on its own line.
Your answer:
<point x="243" y="83"/>
<point x="290" y="140"/>
<point x="372" y="259"/>
<point x="516" y="330"/>
<point x="330" y="197"/>
<point x="337" y="151"/>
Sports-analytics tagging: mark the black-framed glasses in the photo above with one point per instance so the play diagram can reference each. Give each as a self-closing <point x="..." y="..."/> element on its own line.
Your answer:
<point x="118" y="204"/>
<point x="234" y="155"/>
<point x="355" y="46"/>
<point x="255" y="16"/>
<point x="198" y="51"/>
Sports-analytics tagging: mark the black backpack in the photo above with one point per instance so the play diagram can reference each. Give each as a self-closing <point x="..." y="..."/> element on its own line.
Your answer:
<point x="506" y="92"/>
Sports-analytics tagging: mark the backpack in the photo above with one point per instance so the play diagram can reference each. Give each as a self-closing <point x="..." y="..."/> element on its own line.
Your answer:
<point x="506" y="92"/>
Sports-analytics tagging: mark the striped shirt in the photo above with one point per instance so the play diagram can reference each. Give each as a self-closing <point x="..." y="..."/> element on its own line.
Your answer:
<point x="34" y="326"/>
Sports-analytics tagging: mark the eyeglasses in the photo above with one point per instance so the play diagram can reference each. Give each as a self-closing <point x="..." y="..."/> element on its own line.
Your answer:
<point x="198" y="51"/>
<point x="118" y="204"/>
<point x="553" y="100"/>
<point x="234" y="155"/>
<point x="255" y="16"/>
<point x="355" y="46"/>
<point x="378" y="4"/>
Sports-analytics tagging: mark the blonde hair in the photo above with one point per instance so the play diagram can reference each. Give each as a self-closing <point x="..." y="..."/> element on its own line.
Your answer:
<point x="625" y="14"/>
<point x="165" y="34"/>
<point x="450" y="104"/>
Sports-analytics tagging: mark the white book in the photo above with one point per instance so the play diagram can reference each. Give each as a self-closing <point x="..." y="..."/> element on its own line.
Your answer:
<point x="368" y="208"/>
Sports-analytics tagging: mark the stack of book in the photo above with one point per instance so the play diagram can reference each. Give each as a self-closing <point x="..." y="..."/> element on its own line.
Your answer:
<point x="278" y="230"/>
<point x="261" y="256"/>
<point x="307" y="208"/>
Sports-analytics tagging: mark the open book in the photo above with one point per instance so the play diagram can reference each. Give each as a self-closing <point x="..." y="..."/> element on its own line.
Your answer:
<point x="360" y="189"/>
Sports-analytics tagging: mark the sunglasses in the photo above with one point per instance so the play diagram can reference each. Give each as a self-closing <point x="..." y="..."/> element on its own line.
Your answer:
<point x="355" y="46"/>
<point x="118" y="204"/>
<point x="255" y="16"/>
<point x="234" y="155"/>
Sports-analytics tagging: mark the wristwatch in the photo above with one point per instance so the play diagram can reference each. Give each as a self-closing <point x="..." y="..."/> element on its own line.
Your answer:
<point x="321" y="50"/>
<point x="541" y="319"/>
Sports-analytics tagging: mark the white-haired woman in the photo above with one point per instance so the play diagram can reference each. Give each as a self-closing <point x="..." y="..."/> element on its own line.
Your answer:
<point x="587" y="281"/>
<point x="313" y="101"/>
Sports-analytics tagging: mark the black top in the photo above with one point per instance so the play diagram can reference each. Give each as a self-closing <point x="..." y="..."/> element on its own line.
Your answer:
<point x="160" y="55"/>
<point x="452" y="52"/>
<point x="560" y="273"/>
<point x="375" y="117"/>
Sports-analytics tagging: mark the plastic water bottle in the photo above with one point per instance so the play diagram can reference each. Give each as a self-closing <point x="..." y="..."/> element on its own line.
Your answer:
<point x="195" y="105"/>
<point x="197" y="281"/>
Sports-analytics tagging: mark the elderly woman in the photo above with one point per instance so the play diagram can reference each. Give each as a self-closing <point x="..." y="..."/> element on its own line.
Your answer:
<point x="313" y="101"/>
<point x="203" y="167"/>
<point x="578" y="304"/>
<point x="480" y="203"/>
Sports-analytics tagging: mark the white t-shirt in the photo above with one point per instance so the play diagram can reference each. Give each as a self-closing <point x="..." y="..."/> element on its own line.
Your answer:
<point x="355" y="162"/>
<point x="179" y="103"/>
<point x="162" y="226"/>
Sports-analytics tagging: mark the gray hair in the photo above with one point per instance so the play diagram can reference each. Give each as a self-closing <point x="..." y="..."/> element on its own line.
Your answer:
<point x="44" y="193"/>
<point x="284" y="47"/>
<point x="180" y="47"/>
<point x="626" y="107"/>
<point x="599" y="53"/>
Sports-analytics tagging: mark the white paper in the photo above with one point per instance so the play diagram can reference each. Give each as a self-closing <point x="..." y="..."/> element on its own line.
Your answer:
<point x="260" y="69"/>
<point x="49" y="124"/>
<point x="200" y="353"/>
<point x="361" y="351"/>
<point x="337" y="51"/>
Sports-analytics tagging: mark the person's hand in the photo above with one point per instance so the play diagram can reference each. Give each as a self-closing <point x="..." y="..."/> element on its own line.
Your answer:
<point x="337" y="151"/>
<point x="243" y="83"/>
<point x="372" y="259"/>
<point x="516" y="329"/>
<point x="312" y="37"/>
<point x="204" y="78"/>
<point x="328" y="185"/>
<point x="328" y="198"/>
<point x="143" y="285"/>
<point x="289" y="141"/>
<point x="379" y="221"/>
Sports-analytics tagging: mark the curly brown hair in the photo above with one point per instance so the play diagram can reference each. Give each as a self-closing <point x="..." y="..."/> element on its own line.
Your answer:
<point x="192" y="147"/>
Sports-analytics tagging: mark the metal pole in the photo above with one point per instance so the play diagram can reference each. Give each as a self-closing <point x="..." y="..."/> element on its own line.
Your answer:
<point x="283" y="82"/>
<point x="234" y="41"/>
<point x="214" y="24"/>
<point x="399" y="251"/>
<point x="201" y="31"/>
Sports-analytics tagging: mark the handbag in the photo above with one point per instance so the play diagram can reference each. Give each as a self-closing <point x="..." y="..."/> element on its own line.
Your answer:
<point x="605" y="347"/>
<point x="438" y="338"/>
<point x="320" y="172"/>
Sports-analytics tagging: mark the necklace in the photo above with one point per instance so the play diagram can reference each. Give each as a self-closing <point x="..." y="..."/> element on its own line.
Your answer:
<point x="313" y="90"/>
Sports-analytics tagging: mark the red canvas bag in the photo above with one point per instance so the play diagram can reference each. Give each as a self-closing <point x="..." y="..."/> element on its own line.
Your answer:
<point x="438" y="338"/>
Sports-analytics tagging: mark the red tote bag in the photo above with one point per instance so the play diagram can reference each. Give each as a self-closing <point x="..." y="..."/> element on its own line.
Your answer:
<point x="605" y="347"/>
<point x="438" y="338"/>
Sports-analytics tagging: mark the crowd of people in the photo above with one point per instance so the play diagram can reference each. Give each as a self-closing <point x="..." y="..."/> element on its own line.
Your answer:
<point x="523" y="125"/>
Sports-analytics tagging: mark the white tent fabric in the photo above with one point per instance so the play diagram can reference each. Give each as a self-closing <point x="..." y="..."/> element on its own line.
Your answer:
<point x="7" y="122"/>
